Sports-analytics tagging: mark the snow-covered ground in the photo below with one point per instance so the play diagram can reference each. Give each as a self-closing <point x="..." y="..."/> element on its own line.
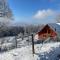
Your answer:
<point x="47" y="51"/>
<point x="7" y="43"/>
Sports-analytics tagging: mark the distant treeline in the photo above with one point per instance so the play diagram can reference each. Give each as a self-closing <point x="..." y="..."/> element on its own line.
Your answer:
<point x="15" y="30"/>
<point x="10" y="31"/>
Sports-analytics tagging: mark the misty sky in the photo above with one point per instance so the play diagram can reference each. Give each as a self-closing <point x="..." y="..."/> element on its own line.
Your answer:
<point x="35" y="11"/>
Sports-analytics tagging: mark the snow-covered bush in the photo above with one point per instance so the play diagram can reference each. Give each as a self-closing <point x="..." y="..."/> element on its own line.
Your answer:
<point x="7" y="46"/>
<point x="7" y="43"/>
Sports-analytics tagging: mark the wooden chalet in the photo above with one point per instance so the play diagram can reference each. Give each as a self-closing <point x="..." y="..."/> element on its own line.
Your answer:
<point x="46" y="32"/>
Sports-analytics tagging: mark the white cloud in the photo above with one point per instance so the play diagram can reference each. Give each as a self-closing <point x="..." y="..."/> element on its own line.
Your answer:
<point x="41" y="14"/>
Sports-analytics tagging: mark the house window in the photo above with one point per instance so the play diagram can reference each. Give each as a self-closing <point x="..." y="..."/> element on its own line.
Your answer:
<point x="1" y="14"/>
<point x="44" y="35"/>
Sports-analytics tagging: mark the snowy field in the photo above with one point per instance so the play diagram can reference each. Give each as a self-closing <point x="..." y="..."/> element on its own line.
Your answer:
<point x="47" y="51"/>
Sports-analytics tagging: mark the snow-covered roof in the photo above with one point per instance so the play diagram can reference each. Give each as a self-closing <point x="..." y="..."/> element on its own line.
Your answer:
<point x="42" y="27"/>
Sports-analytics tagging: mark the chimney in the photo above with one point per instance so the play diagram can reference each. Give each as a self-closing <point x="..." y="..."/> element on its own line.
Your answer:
<point x="55" y="29"/>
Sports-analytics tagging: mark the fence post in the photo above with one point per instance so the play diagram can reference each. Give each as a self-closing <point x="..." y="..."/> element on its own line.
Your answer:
<point x="33" y="51"/>
<point x="16" y="41"/>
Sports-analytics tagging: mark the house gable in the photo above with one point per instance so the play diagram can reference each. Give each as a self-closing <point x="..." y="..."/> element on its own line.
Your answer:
<point x="46" y="32"/>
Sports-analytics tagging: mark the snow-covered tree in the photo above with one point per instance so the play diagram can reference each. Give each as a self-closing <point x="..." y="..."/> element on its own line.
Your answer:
<point x="5" y="11"/>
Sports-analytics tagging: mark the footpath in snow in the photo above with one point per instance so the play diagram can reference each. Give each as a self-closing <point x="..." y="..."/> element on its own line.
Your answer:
<point x="47" y="51"/>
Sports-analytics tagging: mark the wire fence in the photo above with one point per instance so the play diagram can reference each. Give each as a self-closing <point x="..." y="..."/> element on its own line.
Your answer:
<point x="8" y="43"/>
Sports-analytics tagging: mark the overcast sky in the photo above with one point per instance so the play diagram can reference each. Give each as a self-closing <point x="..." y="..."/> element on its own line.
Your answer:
<point x="35" y="11"/>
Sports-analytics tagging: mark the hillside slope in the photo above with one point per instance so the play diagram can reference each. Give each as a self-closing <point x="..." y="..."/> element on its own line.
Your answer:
<point x="48" y="51"/>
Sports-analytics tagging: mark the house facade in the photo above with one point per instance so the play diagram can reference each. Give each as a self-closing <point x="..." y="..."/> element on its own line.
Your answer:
<point x="46" y="32"/>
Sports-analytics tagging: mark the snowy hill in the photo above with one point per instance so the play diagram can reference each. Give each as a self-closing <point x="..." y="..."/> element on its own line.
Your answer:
<point x="48" y="51"/>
